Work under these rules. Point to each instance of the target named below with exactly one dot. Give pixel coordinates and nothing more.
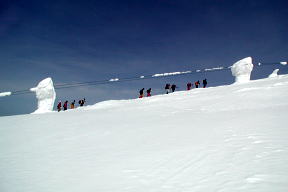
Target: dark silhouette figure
(141, 93)
(167, 88)
(197, 84)
(72, 106)
(65, 106)
(148, 92)
(204, 83)
(189, 85)
(82, 102)
(59, 106)
(173, 87)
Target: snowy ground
(229, 138)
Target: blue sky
(75, 41)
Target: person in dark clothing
(173, 87)
(167, 88)
(149, 92)
(65, 106)
(197, 84)
(141, 93)
(82, 102)
(204, 83)
(189, 85)
(59, 106)
(72, 106)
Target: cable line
(143, 77)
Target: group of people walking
(141, 92)
(171, 88)
(168, 89)
(81, 102)
(197, 84)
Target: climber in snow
(141, 93)
(148, 92)
(59, 106)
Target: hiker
(167, 88)
(141, 93)
(59, 106)
(204, 83)
(148, 92)
(189, 85)
(72, 106)
(82, 102)
(173, 87)
(197, 84)
(65, 106)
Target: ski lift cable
(143, 77)
(88, 83)
(149, 76)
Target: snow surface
(46, 95)
(242, 70)
(274, 73)
(227, 138)
(3, 94)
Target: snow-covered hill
(228, 138)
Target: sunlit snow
(116, 79)
(242, 69)
(45, 94)
(274, 73)
(3, 94)
(227, 138)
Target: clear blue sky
(74, 41)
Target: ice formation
(169, 74)
(46, 95)
(3, 94)
(242, 70)
(116, 79)
(214, 69)
(274, 73)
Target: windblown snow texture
(46, 95)
(274, 73)
(242, 70)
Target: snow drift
(274, 73)
(228, 138)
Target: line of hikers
(197, 84)
(81, 102)
(171, 88)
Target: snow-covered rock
(46, 95)
(242, 70)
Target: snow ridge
(227, 138)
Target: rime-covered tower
(242, 69)
(46, 95)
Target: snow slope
(228, 138)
